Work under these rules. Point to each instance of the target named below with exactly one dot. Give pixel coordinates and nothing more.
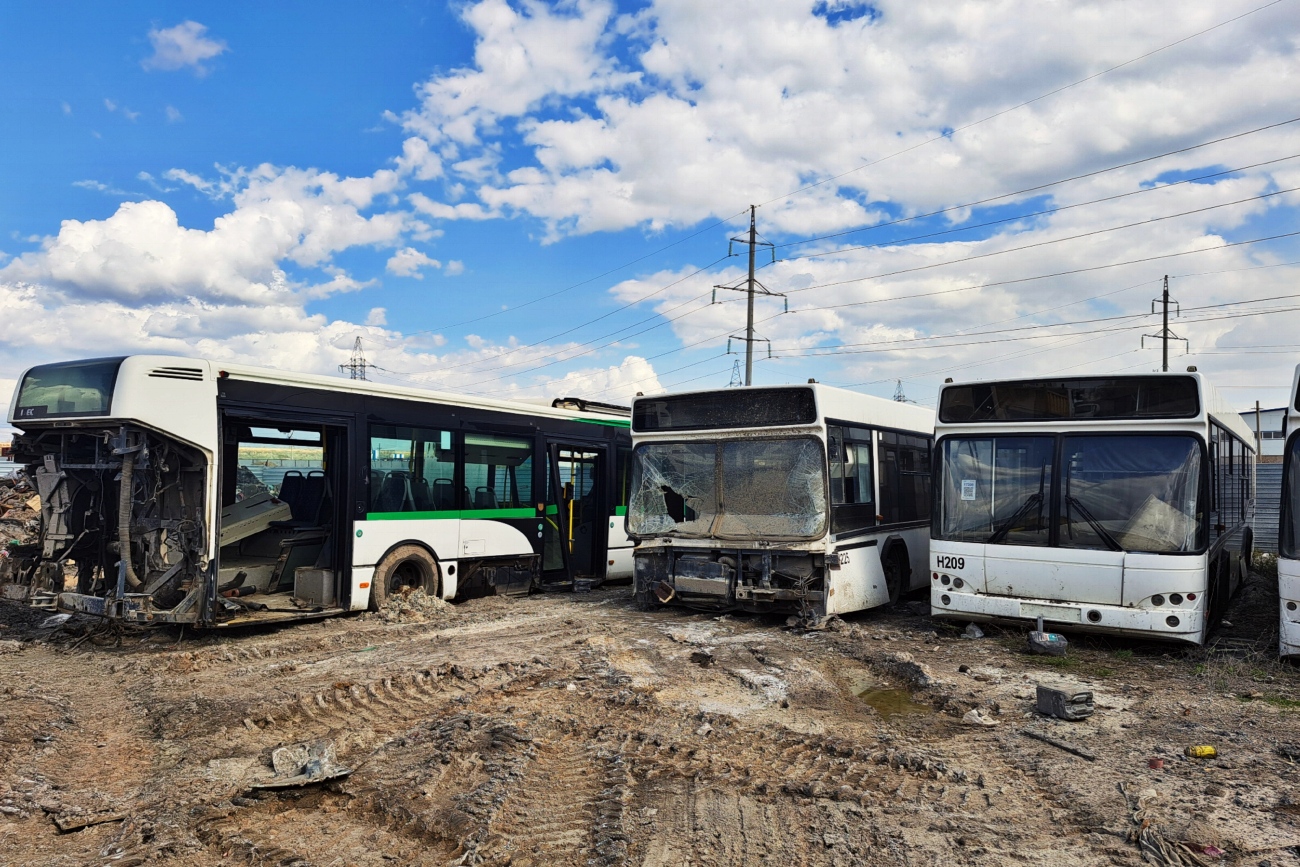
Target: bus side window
(852, 478)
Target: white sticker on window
(968, 489)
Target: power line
(1026, 216)
(1045, 186)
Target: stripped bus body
(178, 490)
(1119, 505)
(807, 500)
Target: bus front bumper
(1182, 623)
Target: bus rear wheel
(896, 570)
(405, 567)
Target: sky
(523, 199)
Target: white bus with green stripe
(179, 490)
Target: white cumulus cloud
(184, 45)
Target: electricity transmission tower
(357, 366)
(735, 375)
(1165, 334)
(751, 287)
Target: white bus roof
(832, 403)
(1212, 403)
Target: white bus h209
(804, 499)
(1119, 504)
(187, 491)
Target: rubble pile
(20, 512)
(412, 606)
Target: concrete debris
(1074, 705)
(1047, 643)
(303, 764)
(975, 718)
(412, 606)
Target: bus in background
(1118, 504)
(178, 490)
(803, 499)
(1288, 542)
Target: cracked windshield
(731, 489)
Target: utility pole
(750, 289)
(357, 366)
(1165, 334)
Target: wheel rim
(407, 574)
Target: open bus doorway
(573, 546)
(282, 501)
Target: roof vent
(1191, 368)
(195, 374)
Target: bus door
(573, 546)
(285, 514)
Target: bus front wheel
(406, 567)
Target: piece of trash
(975, 718)
(1064, 705)
(1156, 764)
(1210, 850)
(301, 765)
(704, 730)
(1047, 643)
(573, 687)
(972, 631)
(55, 620)
(1201, 752)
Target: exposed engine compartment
(722, 579)
(123, 506)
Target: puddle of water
(888, 702)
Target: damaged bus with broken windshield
(1119, 505)
(808, 500)
(178, 490)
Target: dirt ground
(574, 729)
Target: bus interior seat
(485, 498)
(376, 482)
(395, 493)
(444, 495)
(310, 503)
(420, 494)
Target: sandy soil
(574, 729)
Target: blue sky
(535, 199)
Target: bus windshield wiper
(1097, 528)
(1000, 533)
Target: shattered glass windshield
(734, 489)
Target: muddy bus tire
(404, 566)
(896, 569)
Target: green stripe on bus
(463, 514)
(610, 423)
(621, 511)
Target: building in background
(1269, 431)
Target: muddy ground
(574, 729)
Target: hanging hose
(124, 518)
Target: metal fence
(1268, 501)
